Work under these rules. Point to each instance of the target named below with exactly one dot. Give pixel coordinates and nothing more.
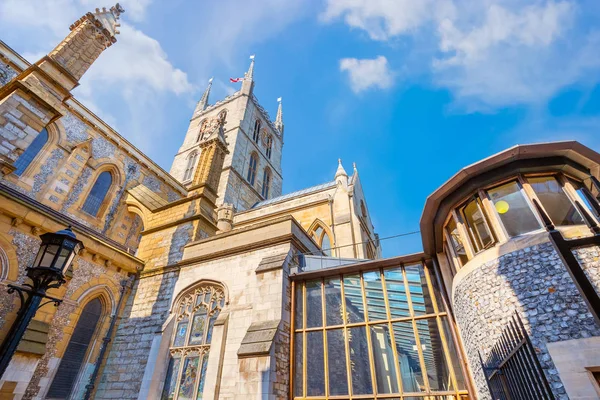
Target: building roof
(555, 154)
(288, 196)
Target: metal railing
(512, 369)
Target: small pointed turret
(340, 175)
(279, 119)
(248, 83)
(203, 103)
(250, 74)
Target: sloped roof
(299, 193)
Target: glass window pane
(314, 305)
(353, 298)
(513, 209)
(97, 194)
(433, 354)
(374, 296)
(49, 254)
(31, 152)
(211, 324)
(298, 365)
(408, 357)
(453, 353)
(198, 323)
(359, 361)
(298, 305)
(456, 241)
(326, 245)
(555, 201)
(202, 376)
(187, 384)
(477, 226)
(394, 284)
(586, 198)
(315, 366)
(333, 302)
(420, 296)
(172, 371)
(336, 358)
(180, 333)
(383, 358)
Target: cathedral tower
(251, 170)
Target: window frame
(256, 130)
(104, 203)
(464, 220)
(439, 316)
(266, 184)
(252, 168)
(192, 160)
(34, 160)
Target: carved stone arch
(104, 291)
(9, 264)
(196, 285)
(57, 133)
(135, 207)
(317, 223)
(117, 182)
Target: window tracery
(196, 314)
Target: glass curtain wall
(378, 334)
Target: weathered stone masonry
(533, 282)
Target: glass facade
(376, 334)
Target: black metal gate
(512, 369)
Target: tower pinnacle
(279, 119)
(340, 174)
(203, 103)
(250, 73)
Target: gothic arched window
(196, 315)
(319, 235)
(256, 133)
(203, 125)
(266, 183)
(70, 364)
(252, 168)
(269, 145)
(97, 194)
(29, 154)
(192, 158)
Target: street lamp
(54, 258)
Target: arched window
(192, 159)
(73, 358)
(97, 194)
(320, 236)
(196, 315)
(266, 183)
(252, 168)
(29, 154)
(363, 209)
(256, 134)
(269, 145)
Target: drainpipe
(105, 341)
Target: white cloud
(367, 73)
(489, 53)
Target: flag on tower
(236, 80)
(252, 57)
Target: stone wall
(145, 312)
(6, 73)
(533, 282)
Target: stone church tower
(252, 168)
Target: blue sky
(411, 91)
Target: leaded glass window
(252, 168)
(98, 193)
(266, 183)
(190, 345)
(376, 334)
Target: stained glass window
(195, 319)
(377, 334)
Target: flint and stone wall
(533, 282)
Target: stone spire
(90, 36)
(250, 74)
(279, 119)
(248, 83)
(340, 175)
(203, 103)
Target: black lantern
(54, 258)
(56, 254)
